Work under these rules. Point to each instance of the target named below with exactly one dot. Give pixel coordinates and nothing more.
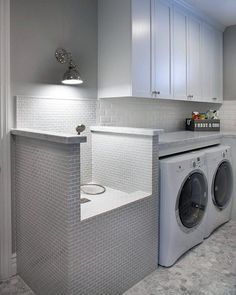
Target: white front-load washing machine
(220, 181)
(183, 204)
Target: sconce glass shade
(72, 77)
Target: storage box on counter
(203, 125)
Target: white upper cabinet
(212, 64)
(162, 49)
(179, 54)
(218, 67)
(157, 49)
(194, 59)
(124, 48)
(141, 49)
(207, 62)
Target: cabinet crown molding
(200, 14)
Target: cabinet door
(207, 69)
(212, 64)
(217, 81)
(194, 60)
(161, 49)
(179, 54)
(141, 48)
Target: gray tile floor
(15, 287)
(208, 269)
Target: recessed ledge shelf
(50, 136)
(110, 200)
(127, 130)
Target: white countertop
(108, 201)
(186, 136)
(183, 141)
(50, 136)
(127, 130)
(229, 134)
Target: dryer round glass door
(192, 200)
(223, 185)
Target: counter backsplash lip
(55, 137)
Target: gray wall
(38, 27)
(230, 63)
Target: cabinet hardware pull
(156, 92)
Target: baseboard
(13, 265)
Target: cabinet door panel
(194, 60)
(161, 49)
(212, 67)
(179, 54)
(218, 66)
(141, 48)
(207, 52)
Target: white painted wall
(37, 29)
(5, 174)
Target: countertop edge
(49, 136)
(127, 130)
(189, 140)
(171, 143)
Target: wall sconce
(72, 75)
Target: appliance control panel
(197, 162)
(194, 163)
(225, 154)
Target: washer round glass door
(192, 200)
(223, 185)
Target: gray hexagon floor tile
(15, 286)
(208, 269)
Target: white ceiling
(223, 11)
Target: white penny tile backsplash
(63, 115)
(149, 113)
(60, 115)
(228, 115)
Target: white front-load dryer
(183, 203)
(220, 180)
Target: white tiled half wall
(122, 162)
(60, 115)
(103, 255)
(47, 211)
(148, 113)
(228, 115)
